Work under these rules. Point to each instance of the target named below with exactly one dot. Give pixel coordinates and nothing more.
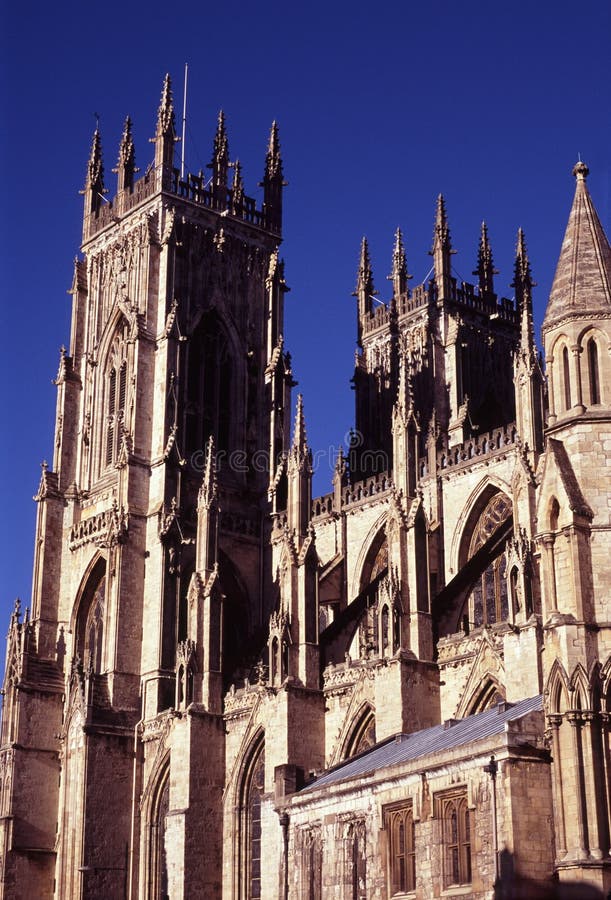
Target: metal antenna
(184, 124)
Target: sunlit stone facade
(224, 688)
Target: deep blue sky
(380, 106)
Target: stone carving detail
(106, 529)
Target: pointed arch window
(399, 824)
(210, 377)
(488, 601)
(253, 786)
(363, 735)
(311, 885)
(456, 825)
(593, 372)
(90, 621)
(158, 876)
(115, 402)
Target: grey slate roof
(408, 747)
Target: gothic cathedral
(225, 688)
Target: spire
(442, 249)
(273, 181)
(126, 164)
(582, 283)
(485, 264)
(208, 491)
(165, 133)
(237, 189)
(399, 275)
(523, 284)
(220, 155)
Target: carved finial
(300, 441)
(126, 164)
(237, 190)
(273, 160)
(340, 463)
(399, 275)
(220, 154)
(94, 182)
(208, 490)
(165, 133)
(364, 278)
(580, 171)
(441, 234)
(95, 166)
(165, 113)
(485, 264)
(442, 251)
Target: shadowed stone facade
(224, 688)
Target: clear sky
(381, 106)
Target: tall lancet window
(209, 387)
(158, 868)
(115, 398)
(593, 372)
(90, 621)
(253, 786)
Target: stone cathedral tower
(225, 688)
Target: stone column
(579, 851)
(555, 722)
(576, 367)
(605, 727)
(591, 771)
(548, 541)
(549, 364)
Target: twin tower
(205, 640)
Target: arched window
(362, 736)
(158, 875)
(457, 840)
(593, 372)
(399, 822)
(356, 860)
(488, 695)
(566, 378)
(488, 600)
(312, 864)
(90, 620)
(115, 396)
(209, 382)
(422, 564)
(554, 514)
(253, 786)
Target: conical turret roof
(582, 283)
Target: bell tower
(149, 576)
